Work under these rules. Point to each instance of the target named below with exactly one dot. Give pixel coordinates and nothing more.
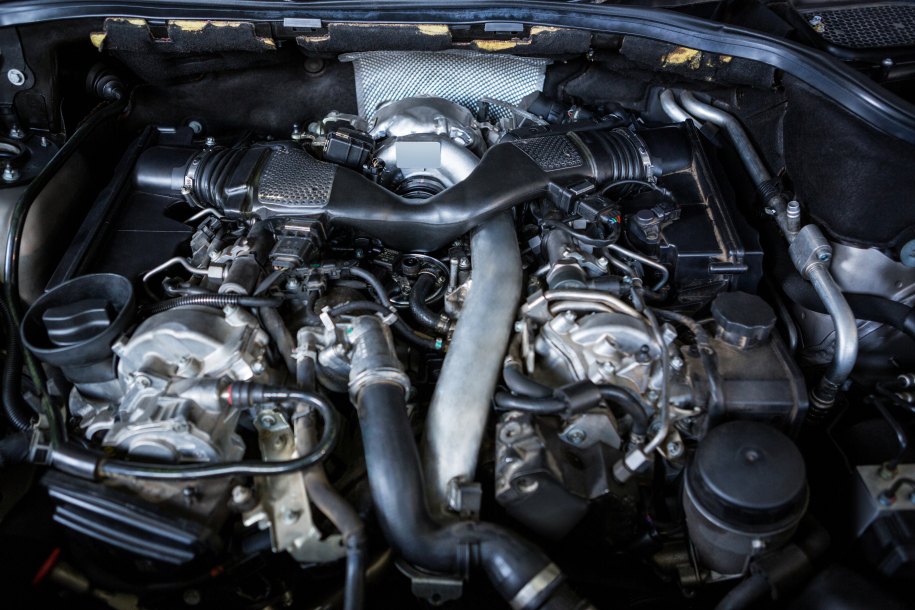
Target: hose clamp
(642, 150)
(535, 586)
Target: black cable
(242, 395)
(630, 403)
(374, 282)
(211, 300)
(586, 239)
(519, 383)
(16, 409)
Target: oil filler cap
(744, 320)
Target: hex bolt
(10, 173)
(16, 77)
(465, 263)
(45, 142)
(211, 141)
(257, 367)
(17, 132)
(292, 283)
(180, 427)
(241, 494)
(519, 327)
(191, 597)
(674, 449)
(676, 362)
(824, 257)
(268, 421)
(886, 499)
(577, 437)
(603, 263)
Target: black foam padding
(855, 181)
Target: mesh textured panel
(551, 152)
(460, 76)
(293, 178)
(866, 27)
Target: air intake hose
(282, 179)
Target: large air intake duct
(282, 179)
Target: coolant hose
(518, 570)
(747, 593)
(277, 330)
(421, 312)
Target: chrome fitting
(810, 248)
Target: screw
(676, 362)
(566, 251)
(577, 437)
(10, 173)
(44, 142)
(771, 211)
(758, 545)
(17, 132)
(519, 327)
(268, 421)
(292, 283)
(211, 141)
(143, 381)
(16, 77)
(358, 253)
(887, 63)
(824, 257)
(290, 516)
(465, 262)
(651, 395)
(192, 597)
(602, 262)
(196, 126)
(241, 494)
(257, 367)
(885, 499)
(180, 427)
(214, 254)
(674, 449)
(569, 315)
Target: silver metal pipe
(462, 400)
(665, 274)
(846, 350)
(809, 263)
(673, 110)
(733, 128)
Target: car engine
(474, 338)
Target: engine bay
(467, 327)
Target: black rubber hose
(404, 331)
(14, 245)
(630, 404)
(396, 484)
(747, 593)
(14, 449)
(586, 239)
(276, 328)
(539, 406)
(17, 411)
(243, 395)
(374, 282)
(865, 306)
(521, 384)
(421, 312)
(211, 300)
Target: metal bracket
(433, 588)
(283, 503)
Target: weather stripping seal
(847, 88)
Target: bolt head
(885, 500)
(16, 77)
(211, 141)
(465, 262)
(196, 126)
(577, 436)
(771, 211)
(241, 494)
(191, 597)
(290, 516)
(258, 367)
(519, 327)
(180, 427)
(268, 421)
(758, 545)
(603, 263)
(824, 257)
(674, 448)
(10, 174)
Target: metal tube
(462, 400)
(665, 274)
(672, 109)
(732, 127)
(846, 351)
